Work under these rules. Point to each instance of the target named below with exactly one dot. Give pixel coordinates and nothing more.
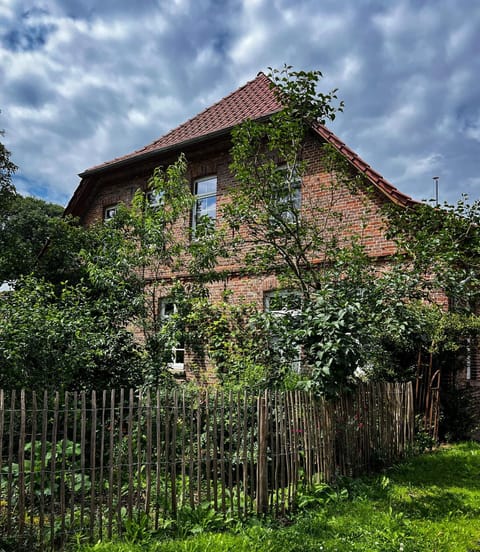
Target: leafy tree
(280, 231)
(36, 239)
(144, 245)
(347, 322)
(67, 340)
(440, 248)
(352, 317)
(7, 168)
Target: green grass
(430, 503)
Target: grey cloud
(31, 91)
(114, 75)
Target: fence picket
(101, 474)
(93, 451)
(93, 460)
(21, 466)
(33, 443)
(111, 467)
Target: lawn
(430, 503)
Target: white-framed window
(282, 303)
(468, 359)
(167, 309)
(290, 196)
(205, 192)
(154, 199)
(110, 211)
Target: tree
(36, 239)
(7, 168)
(268, 163)
(347, 321)
(352, 319)
(66, 340)
(441, 246)
(149, 247)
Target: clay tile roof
(375, 178)
(253, 100)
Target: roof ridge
(253, 100)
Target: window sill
(178, 371)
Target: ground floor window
(168, 309)
(283, 303)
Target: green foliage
(352, 317)
(355, 319)
(7, 168)
(69, 341)
(268, 164)
(441, 247)
(145, 243)
(247, 347)
(44, 457)
(36, 239)
(319, 495)
(423, 440)
(458, 415)
(202, 519)
(431, 502)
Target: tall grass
(429, 503)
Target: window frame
(154, 199)
(296, 364)
(111, 207)
(199, 197)
(295, 195)
(174, 366)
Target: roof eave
(166, 149)
(385, 187)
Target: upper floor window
(289, 195)
(109, 212)
(154, 199)
(205, 192)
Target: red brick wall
(318, 198)
(120, 185)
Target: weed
(430, 502)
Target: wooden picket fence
(78, 463)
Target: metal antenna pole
(435, 179)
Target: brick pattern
(120, 186)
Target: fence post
(262, 474)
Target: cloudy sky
(84, 81)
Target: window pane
(206, 186)
(206, 206)
(155, 199)
(110, 212)
(179, 356)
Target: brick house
(205, 141)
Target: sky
(85, 81)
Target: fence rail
(78, 463)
